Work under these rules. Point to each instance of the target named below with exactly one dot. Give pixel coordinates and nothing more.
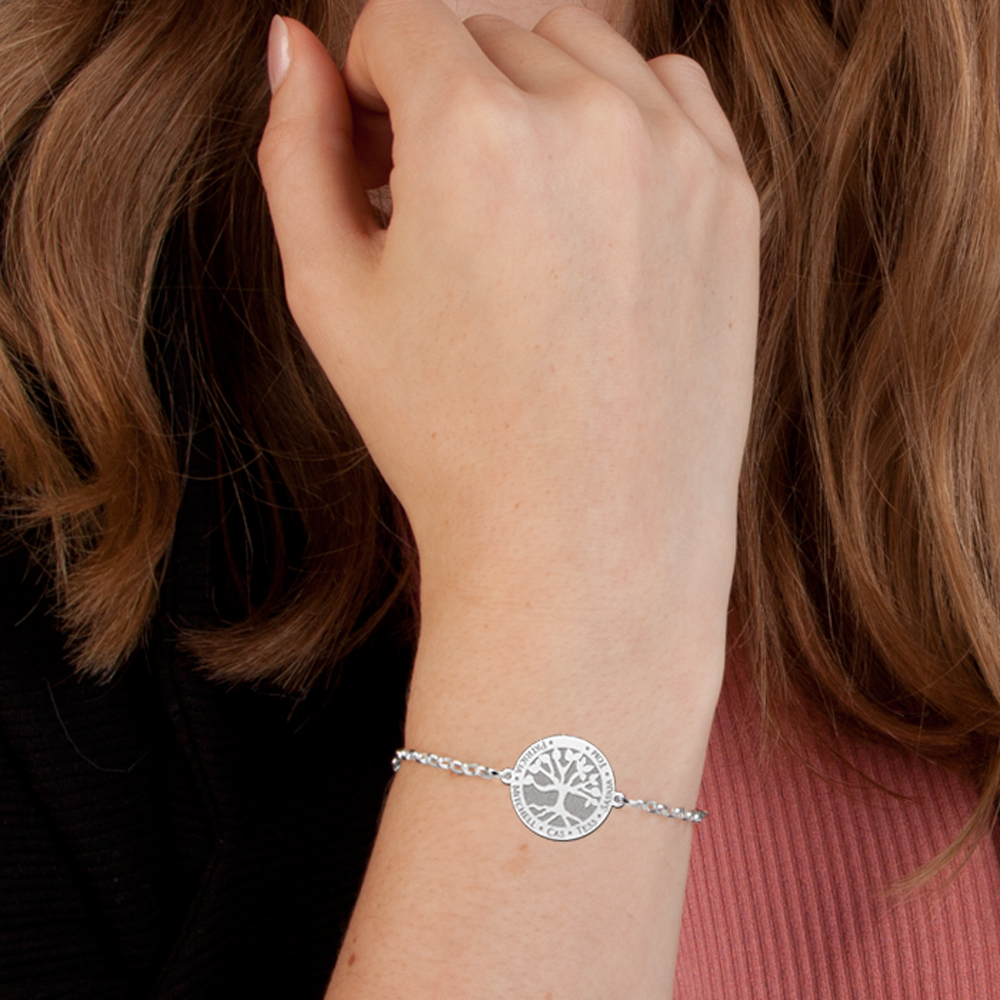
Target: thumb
(326, 230)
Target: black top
(164, 836)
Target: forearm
(462, 900)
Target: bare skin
(372, 132)
(527, 13)
(549, 354)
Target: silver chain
(450, 764)
(659, 809)
(491, 774)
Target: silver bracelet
(561, 787)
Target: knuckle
(610, 131)
(486, 21)
(482, 114)
(683, 70)
(565, 16)
(374, 10)
(269, 149)
(476, 130)
(482, 98)
(278, 145)
(607, 110)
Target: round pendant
(562, 787)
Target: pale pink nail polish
(279, 53)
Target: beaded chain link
(450, 764)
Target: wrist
(590, 562)
(487, 690)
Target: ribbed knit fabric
(785, 896)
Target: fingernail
(279, 53)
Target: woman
(548, 355)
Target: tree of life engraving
(563, 788)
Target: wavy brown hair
(869, 549)
(137, 239)
(868, 574)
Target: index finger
(403, 53)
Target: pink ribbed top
(784, 899)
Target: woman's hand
(549, 351)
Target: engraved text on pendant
(562, 787)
